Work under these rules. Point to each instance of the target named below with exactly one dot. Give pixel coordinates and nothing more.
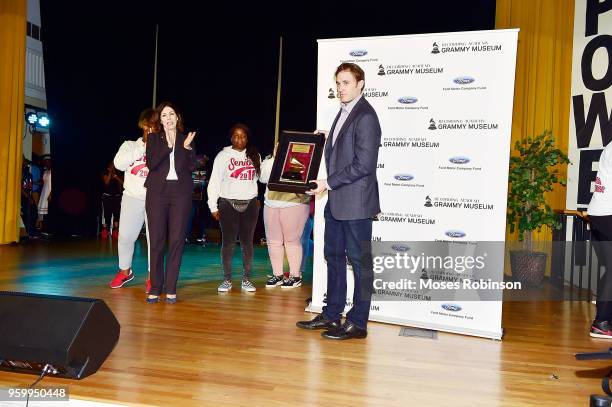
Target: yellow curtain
(543, 75)
(12, 91)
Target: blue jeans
(307, 245)
(344, 238)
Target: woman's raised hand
(189, 139)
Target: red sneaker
(601, 329)
(120, 279)
(115, 233)
(104, 233)
(148, 286)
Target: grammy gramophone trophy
(297, 161)
(296, 171)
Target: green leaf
(531, 174)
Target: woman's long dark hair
(251, 151)
(179, 117)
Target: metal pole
(278, 90)
(572, 257)
(155, 68)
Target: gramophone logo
(295, 171)
(432, 125)
(381, 70)
(435, 49)
(428, 203)
(331, 94)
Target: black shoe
(319, 322)
(292, 282)
(274, 281)
(346, 331)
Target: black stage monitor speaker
(72, 335)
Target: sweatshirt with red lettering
(233, 177)
(131, 159)
(601, 201)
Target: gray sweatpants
(133, 216)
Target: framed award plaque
(297, 161)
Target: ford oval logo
(463, 80)
(452, 307)
(407, 100)
(403, 177)
(358, 52)
(400, 248)
(459, 160)
(455, 233)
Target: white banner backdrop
(590, 128)
(445, 106)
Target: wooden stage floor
(244, 349)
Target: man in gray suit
(351, 154)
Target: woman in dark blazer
(170, 159)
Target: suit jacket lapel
(328, 142)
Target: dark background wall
(218, 63)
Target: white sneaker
(248, 286)
(225, 286)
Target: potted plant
(532, 173)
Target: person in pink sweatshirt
(285, 214)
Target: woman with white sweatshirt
(232, 199)
(600, 218)
(285, 214)
(131, 158)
